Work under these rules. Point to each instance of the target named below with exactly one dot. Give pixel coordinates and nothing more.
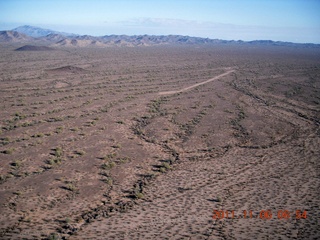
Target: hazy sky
(284, 20)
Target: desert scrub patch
(108, 180)
(79, 152)
(57, 152)
(71, 187)
(241, 113)
(18, 193)
(55, 119)
(67, 220)
(16, 164)
(154, 106)
(116, 146)
(166, 166)
(2, 178)
(90, 123)
(5, 141)
(123, 160)
(54, 236)
(18, 116)
(38, 135)
(110, 156)
(54, 161)
(108, 165)
(139, 195)
(59, 129)
(75, 129)
(8, 151)
(137, 192)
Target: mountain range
(30, 34)
(39, 32)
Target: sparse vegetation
(108, 165)
(38, 135)
(71, 187)
(80, 152)
(54, 161)
(16, 164)
(138, 191)
(166, 166)
(9, 151)
(58, 152)
(82, 146)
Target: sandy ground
(91, 150)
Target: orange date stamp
(263, 214)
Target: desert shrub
(166, 166)
(58, 152)
(67, 221)
(59, 129)
(54, 236)
(2, 178)
(137, 192)
(80, 152)
(16, 164)
(108, 165)
(116, 146)
(18, 116)
(123, 160)
(9, 151)
(54, 161)
(139, 195)
(71, 187)
(108, 180)
(110, 156)
(38, 135)
(5, 141)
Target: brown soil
(146, 142)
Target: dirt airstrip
(157, 142)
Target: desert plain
(156, 142)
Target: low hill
(13, 36)
(34, 48)
(67, 70)
(67, 42)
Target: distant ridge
(39, 32)
(60, 39)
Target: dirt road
(196, 85)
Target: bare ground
(93, 151)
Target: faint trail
(196, 85)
